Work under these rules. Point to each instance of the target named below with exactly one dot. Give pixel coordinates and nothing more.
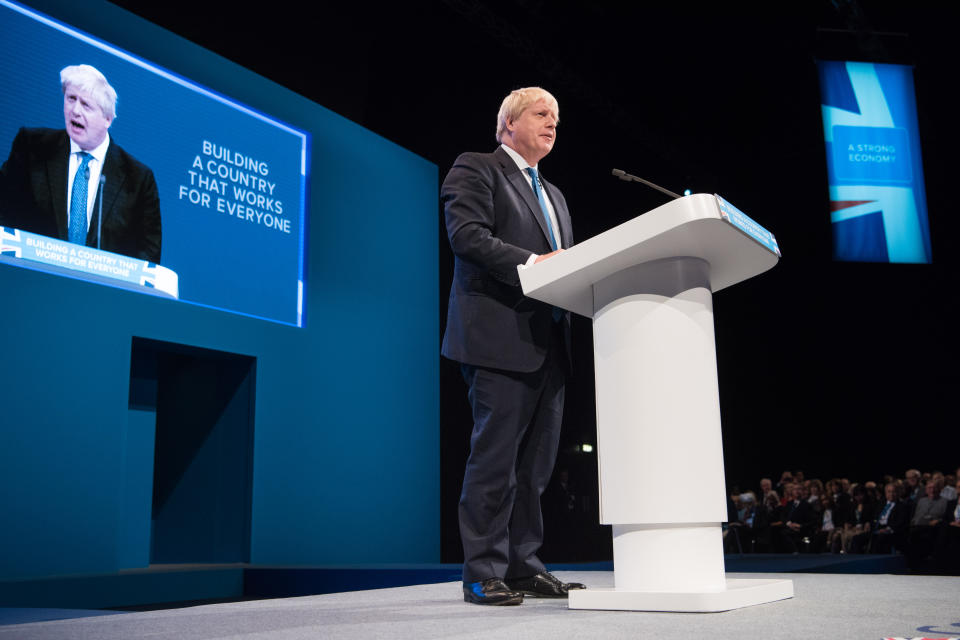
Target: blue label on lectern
(746, 224)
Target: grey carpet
(824, 606)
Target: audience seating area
(916, 515)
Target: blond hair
(88, 79)
(518, 100)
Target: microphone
(103, 181)
(629, 178)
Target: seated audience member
(842, 502)
(949, 491)
(901, 490)
(912, 490)
(858, 519)
(827, 537)
(797, 519)
(842, 512)
(890, 525)
(930, 508)
(767, 523)
(815, 496)
(740, 534)
(766, 486)
(733, 506)
(928, 513)
(831, 488)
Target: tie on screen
(543, 204)
(78, 201)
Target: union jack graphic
(10, 242)
(148, 275)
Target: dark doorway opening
(203, 449)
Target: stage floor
(824, 606)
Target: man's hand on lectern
(547, 255)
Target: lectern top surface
(700, 225)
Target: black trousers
(513, 448)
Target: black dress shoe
(490, 591)
(543, 585)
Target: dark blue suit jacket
(494, 223)
(33, 195)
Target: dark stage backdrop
(832, 368)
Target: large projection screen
(231, 180)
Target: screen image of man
(513, 351)
(55, 182)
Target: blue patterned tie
(78, 201)
(556, 312)
(543, 205)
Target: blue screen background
(163, 120)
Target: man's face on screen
(85, 122)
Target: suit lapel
(513, 174)
(114, 175)
(58, 165)
(113, 170)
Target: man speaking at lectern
(40, 192)
(513, 351)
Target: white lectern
(647, 284)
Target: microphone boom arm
(629, 178)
